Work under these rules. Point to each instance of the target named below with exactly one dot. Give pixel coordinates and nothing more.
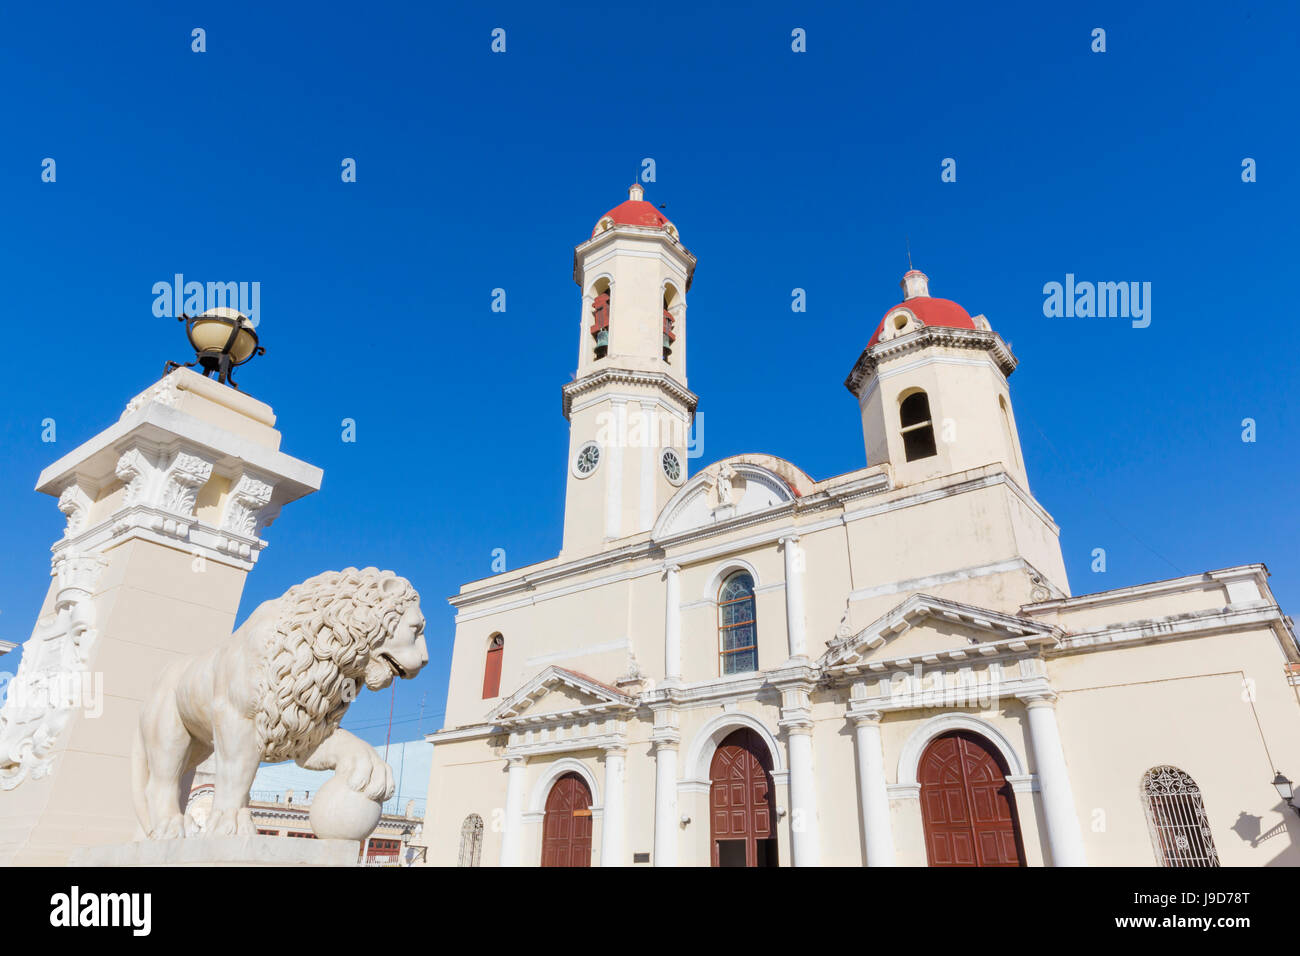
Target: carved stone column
(877, 830)
(613, 825)
(513, 824)
(795, 619)
(614, 471)
(666, 739)
(672, 624)
(796, 720)
(1063, 835)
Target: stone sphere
(340, 813)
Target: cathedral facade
(747, 666)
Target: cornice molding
(1188, 582)
(622, 376)
(585, 251)
(1179, 626)
(925, 337)
(1021, 674)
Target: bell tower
(932, 388)
(629, 408)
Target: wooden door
(566, 828)
(742, 803)
(967, 805)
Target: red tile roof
(929, 311)
(634, 212)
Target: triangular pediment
(557, 692)
(925, 628)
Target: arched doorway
(967, 806)
(742, 802)
(566, 828)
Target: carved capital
(134, 469)
(796, 723)
(182, 480)
(860, 717)
(1039, 698)
(75, 501)
(76, 574)
(247, 506)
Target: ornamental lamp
(222, 338)
(1284, 787)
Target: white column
(794, 613)
(803, 797)
(877, 829)
(665, 803)
(1063, 835)
(672, 623)
(649, 432)
(613, 450)
(611, 836)
(513, 825)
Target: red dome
(634, 212)
(930, 312)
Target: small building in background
(280, 801)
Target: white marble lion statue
(277, 691)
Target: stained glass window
(737, 627)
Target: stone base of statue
(222, 851)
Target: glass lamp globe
(211, 331)
(1283, 785)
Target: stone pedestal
(165, 511)
(222, 851)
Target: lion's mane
(317, 657)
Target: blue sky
(478, 171)
(411, 762)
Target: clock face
(672, 466)
(588, 458)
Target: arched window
(670, 299)
(492, 667)
(1011, 432)
(1180, 830)
(917, 429)
(471, 840)
(600, 308)
(737, 628)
